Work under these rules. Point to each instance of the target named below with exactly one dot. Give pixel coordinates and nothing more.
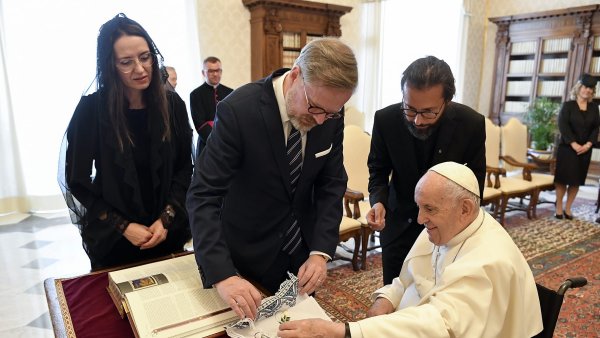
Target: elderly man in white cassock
(464, 276)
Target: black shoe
(598, 220)
(569, 217)
(557, 216)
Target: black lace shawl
(96, 177)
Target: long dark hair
(111, 87)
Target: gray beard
(301, 127)
(421, 134)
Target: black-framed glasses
(127, 65)
(214, 71)
(425, 113)
(314, 110)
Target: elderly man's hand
(241, 295)
(311, 328)
(376, 217)
(381, 306)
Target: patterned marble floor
(33, 248)
(36, 247)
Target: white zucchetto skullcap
(459, 174)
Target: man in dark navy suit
(267, 195)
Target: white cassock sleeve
(392, 292)
(461, 307)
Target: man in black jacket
(204, 99)
(408, 138)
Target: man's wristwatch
(347, 330)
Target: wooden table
(58, 320)
(81, 306)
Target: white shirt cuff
(321, 254)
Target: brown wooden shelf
(578, 25)
(520, 75)
(271, 19)
(561, 75)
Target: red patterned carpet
(555, 249)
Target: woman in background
(128, 160)
(578, 123)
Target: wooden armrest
(496, 172)
(527, 167)
(352, 196)
(536, 159)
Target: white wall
(50, 59)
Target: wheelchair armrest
(575, 282)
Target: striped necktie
(293, 238)
(294, 154)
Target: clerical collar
(467, 232)
(461, 239)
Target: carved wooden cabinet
(542, 55)
(280, 28)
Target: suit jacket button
(439, 151)
(410, 220)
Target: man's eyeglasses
(318, 110)
(214, 71)
(425, 113)
(127, 65)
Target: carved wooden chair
(511, 187)
(514, 152)
(350, 228)
(357, 144)
(491, 194)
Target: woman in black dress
(127, 154)
(578, 123)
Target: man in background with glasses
(204, 99)
(267, 191)
(409, 137)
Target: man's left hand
(312, 274)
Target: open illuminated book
(167, 299)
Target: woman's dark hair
(110, 85)
(427, 72)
